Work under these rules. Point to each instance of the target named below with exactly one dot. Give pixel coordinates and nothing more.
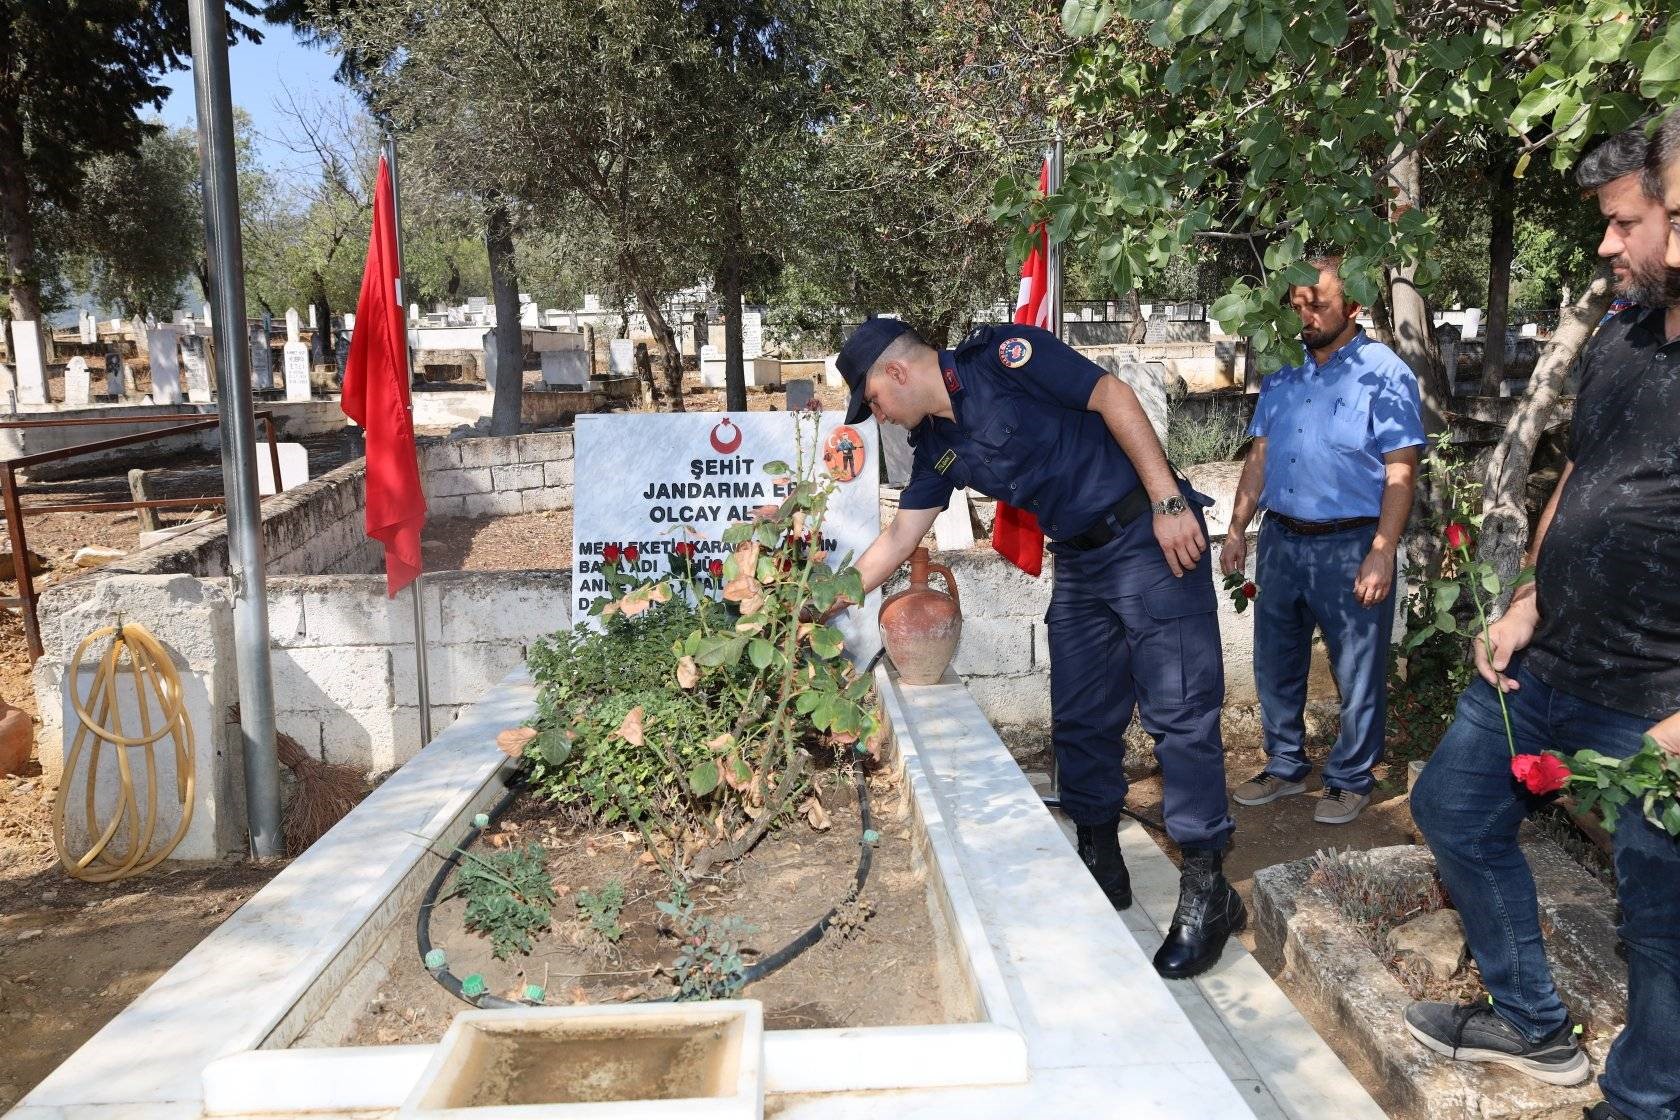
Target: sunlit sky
(260, 75)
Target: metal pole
(1054, 264)
(226, 259)
(423, 688)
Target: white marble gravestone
(623, 357)
(8, 387)
(262, 358)
(313, 325)
(294, 329)
(294, 467)
(76, 385)
(653, 479)
(31, 371)
(205, 316)
(295, 368)
(89, 328)
(752, 335)
(162, 348)
(195, 362)
(565, 369)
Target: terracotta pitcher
(920, 626)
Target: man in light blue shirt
(1333, 464)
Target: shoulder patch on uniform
(945, 461)
(1014, 352)
(953, 384)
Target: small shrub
(509, 896)
(1372, 897)
(1215, 435)
(601, 909)
(709, 964)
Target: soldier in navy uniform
(1015, 413)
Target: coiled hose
(135, 652)
(759, 969)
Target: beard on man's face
(1323, 337)
(1651, 286)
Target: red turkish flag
(376, 397)
(1015, 532)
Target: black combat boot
(1209, 911)
(1099, 847)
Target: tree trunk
(509, 385)
(1139, 330)
(734, 360)
(17, 229)
(665, 342)
(1502, 246)
(1504, 536)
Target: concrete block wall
(342, 656)
(498, 475)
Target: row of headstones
(170, 353)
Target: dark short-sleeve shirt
(1608, 577)
(1328, 427)
(1022, 432)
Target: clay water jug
(921, 626)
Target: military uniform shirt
(1022, 432)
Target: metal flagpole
(226, 258)
(423, 684)
(1053, 296)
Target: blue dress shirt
(1328, 427)
(1022, 433)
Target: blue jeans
(1468, 807)
(1307, 582)
(1125, 635)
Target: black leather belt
(1319, 528)
(1119, 515)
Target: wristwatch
(1169, 506)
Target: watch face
(1174, 504)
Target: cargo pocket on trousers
(1189, 663)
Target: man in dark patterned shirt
(1588, 655)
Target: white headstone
(205, 318)
(752, 335)
(659, 478)
(115, 374)
(623, 356)
(8, 387)
(1531, 330)
(161, 344)
(295, 362)
(831, 372)
(565, 369)
(591, 302)
(1473, 323)
(294, 467)
(197, 367)
(293, 327)
(312, 323)
(349, 320)
(31, 371)
(262, 358)
(76, 381)
(529, 316)
(89, 328)
(414, 313)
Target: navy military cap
(860, 352)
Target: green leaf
(553, 747)
(722, 650)
(1382, 13)
(1662, 65)
(1671, 818)
(827, 642)
(1446, 623)
(761, 652)
(1446, 595)
(1263, 36)
(1419, 638)
(1300, 273)
(776, 466)
(1332, 25)
(704, 778)
(1083, 18)
(1490, 582)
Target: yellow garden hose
(134, 652)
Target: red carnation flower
(632, 553)
(716, 567)
(1249, 590)
(611, 553)
(1540, 773)
(1458, 535)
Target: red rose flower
(1458, 535)
(632, 553)
(683, 548)
(1249, 590)
(716, 567)
(1540, 773)
(611, 553)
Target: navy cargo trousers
(1125, 634)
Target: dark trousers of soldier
(1126, 634)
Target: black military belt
(1319, 528)
(1119, 515)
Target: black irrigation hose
(759, 969)
(1150, 823)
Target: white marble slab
(162, 349)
